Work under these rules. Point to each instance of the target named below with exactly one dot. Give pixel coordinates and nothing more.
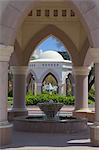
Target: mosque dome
(53, 55)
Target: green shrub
(91, 94)
(10, 98)
(90, 101)
(33, 100)
(10, 101)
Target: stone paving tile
(51, 148)
(36, 141)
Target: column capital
(94, 52)
(81, 70)
(5, 52)
(19, 70)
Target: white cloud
(37, 52)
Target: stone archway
(55, 74)
(58, 33)
(88, 13)
(52, 72)
(20, 57)
(86, 10)
(83, 9)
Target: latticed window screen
(55, 13)
(47, 12)
(64, 13)
(38, 12)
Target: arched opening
(52, 43)
(50, 55)
(50, 84)
(70, 85)
(31, 84)
(58, 35)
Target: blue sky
(51, 44)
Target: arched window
(50, 83)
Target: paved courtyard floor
(36, 141)
(31, 141)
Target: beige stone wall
(71, 26)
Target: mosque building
(50, 63)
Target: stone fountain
(50, 109)
(50, 122)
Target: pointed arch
(30, 71)
(51, 71)
(52, 76)
(58, 33)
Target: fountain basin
(37, 124)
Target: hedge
(33, 100)
(66, 100)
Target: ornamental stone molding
(19, 70)
(5, 52)
(94, 52)
(81, 70)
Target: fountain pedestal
(50, 109)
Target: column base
(5, 133)
(83, 110)
(16, 113)
(85, 113)
(94, 134)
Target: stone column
(38, 88)
(81, 88)
(94, 129)
(73, 89)
(5, 126)
(19, 91)
(67, 86)
(60, 88)
(63, 89)
(34, 88)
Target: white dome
(53, 55)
